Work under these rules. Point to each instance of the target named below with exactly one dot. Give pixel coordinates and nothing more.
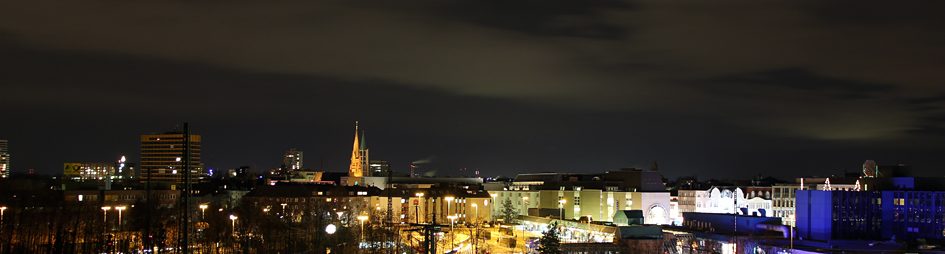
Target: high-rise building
(4, 159)
(292, 160)
(162, 156)
(379, 167)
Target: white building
(592, 196)
(731, 200)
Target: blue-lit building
(728, 224)
(897, 208)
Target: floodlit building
(359, 159)
(4, 159)
(897, 208)
(88, 171)
(687, 200)
(783, 195)
(595, 197)
(407, 205)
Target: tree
(549, 242)
(508, 211)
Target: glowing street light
(525, 198)
(561, 207)
(2, 210)
(493, 195)
(475, 206)
(120, 209)
(449, 200)
(452, 219)
(233, 223)
(105, 216)
(330, 229)
(203, 209)
(417, 206)
(362, 218)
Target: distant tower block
(292, 160)
(4, 159)
(870, 169)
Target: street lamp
(452, 219)
(526, 204)
(203, 209)
(476, 241)
(475, 206)
(233, 223)
(120, 209)
(283, 208)
(561, 206)
(449, 200)
(2, 209)
(362, 218)
(330, 229)
(105, 216)
(493, 195)
(417, 206)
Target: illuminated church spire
(356, 169)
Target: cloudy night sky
(709, 88)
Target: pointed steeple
(357, 164)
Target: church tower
(356, 169)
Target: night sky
(708, 88)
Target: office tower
(379, 167)
(162, 156)
(292, 160)
(4, 159)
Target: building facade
(88, 171)
(162, 158)
(292, 160)
(379, 168)
(728, 200)
(902, 215)
(595, 197)
(4, 159)
(783, 195)
(687, 200)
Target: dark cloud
(800, 79)
(542, 18)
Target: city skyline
(342, 165)
(715, 90)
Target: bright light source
(330, 229)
